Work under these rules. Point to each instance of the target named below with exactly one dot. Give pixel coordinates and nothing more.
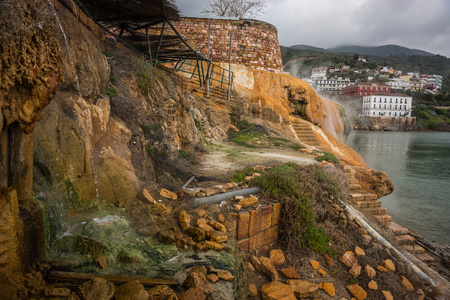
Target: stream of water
(418, 164)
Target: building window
(391, 100)
(396, 107)
(401, 100)
(384, 100)
(395, 113)
(396, 100)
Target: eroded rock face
(374, 181)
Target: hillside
(301, 62)
(385, 50)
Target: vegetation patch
(432, 118)
(111, 92)
(299, 188)
(327, 156)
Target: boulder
(218, 226)
(322, 272)
(348, 259)
(194, 293)
(303, 288)
(197, 279)
(355, 270)
(277, 256)
(197, 233)
(225, 275)
(290, 273)
(359, 252)
(247, 202)
(185, 220)
(161, 209)
(145, 197)
(370, 271)
(132, 290)
(277, 291)
(217, 236)
(252, 290)
(329, 260)
(387, 295)
(356, 291)
(265, 265)
(212, 277)
(408, 286)
(329, 288)
(388, 264)
(168, 194)
(161, 292)
(315, 264)
(97, 288)
(382, 269)
(373, 285)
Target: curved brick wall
(254, 43)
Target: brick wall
(254, 43)
(255, 230)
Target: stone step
(367, 204)
(405, 239)
(414, 249)
(397, 229)
(354, 186)
(383, 218)
(353, 180)
(362, 196)
(425, 258)
(374, 210)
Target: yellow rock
(387, 295)
(253, 290)
(277, 256)
(373, 285)
(329, 288)
(315, 264)
(358, 292)
(388, 264)
(168, 194)
(359, 251)
(370, 271)
(408, 286)
(322, 272)
(247, 202)
(225, 275)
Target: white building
(332, 84)
(398, 84)
(388, 105)
(319, 73)
(434, 83)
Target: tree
(235, 8)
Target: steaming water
(67, 46)
(418, 163)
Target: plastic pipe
(384, 242)
(224, 196)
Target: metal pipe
(224, 196)
(384, 242)
(229, 67)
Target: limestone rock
(198, 269)
(221, 218)
(387, 295)
(277, 256)
(388, 264)
(181, 193)
(322, 272)
(212, 277)
(303, 288)
(247, 202)
(348, 259)
(253, 291)
(356, 291)
(228, 186)
(161, 292)
(185, 220)
(382, 269)
(373, 285)
(132, 290)
(196, 279)
(370, 271)
(355, 270)
(146, 197)
(168, 194)
(359, 252)
(56, 292)
(217, 236)
(197, 233)
(408, 286)
(290, 273)
(201, 213)
(329, 260)
(202, 224)
(161, 209)
(265, 265)
(225, 275)
(277, 291)
(329, 288)
(218, 226)
(194, 293)
(97, 288)
(250, 267)
(315, 264)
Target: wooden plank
(56, 276)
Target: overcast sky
(419, 24)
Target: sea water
(418, 163)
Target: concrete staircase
(306, 134)
(369, 204)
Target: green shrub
(327, 156)
(150, 150)
(145, 127)
(182, 153)
(241, 174)
(112, 79)
(109, 54)
(111, 92)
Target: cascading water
(334, 122)
(67, 46)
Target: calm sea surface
(418, 164)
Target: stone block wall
(256, 229)
(254, 43)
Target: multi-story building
(319, 73)
(388, 105)
(365, 88)
(332, 84)
(415, 84)
(434, 83)
(398, 84)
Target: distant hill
(307, 47)
(385, 50)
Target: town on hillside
(383, 91)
